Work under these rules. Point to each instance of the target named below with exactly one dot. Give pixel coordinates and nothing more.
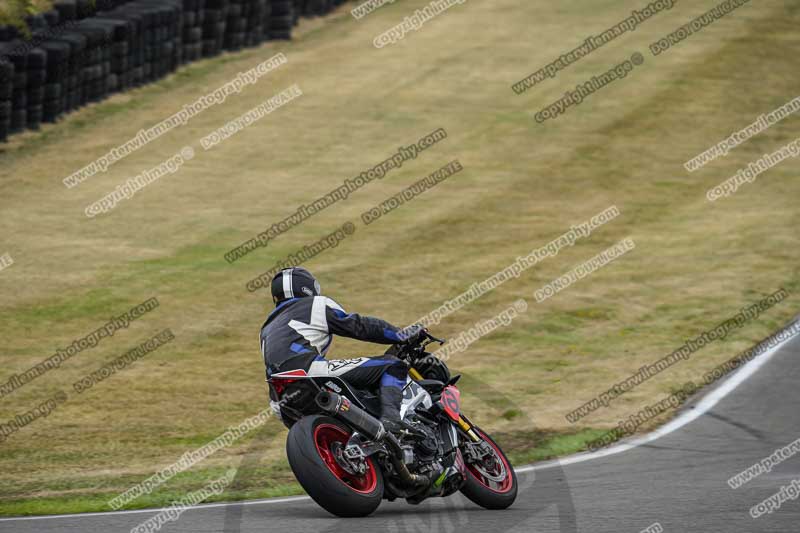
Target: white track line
(705, 405)
(156, 511)
(688, 416)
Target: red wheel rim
(327, 434)
(508, 481)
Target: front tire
(483, 485)
(310, 447)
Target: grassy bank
(695, 264)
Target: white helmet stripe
(287, 283)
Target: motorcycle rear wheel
(311, 447)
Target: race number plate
(451, 402)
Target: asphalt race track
(677, 481)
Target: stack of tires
(84, 9)
(84, 50)
(37, 73)
(67, 10)
(313, 8)
(6, 92)
(281, 19)
(131, 58)
(235, 25)
(47, 64)
(6, 83)
(115, 51)
(162, 37)
(193, 15)
(216, 13)
(65, 52)
(302, 7)
(146, 41)
(266, 15)
(172, 33)
(18, 55)
(255, 14)
(97, 60)
(61, 82)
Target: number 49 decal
(451, 401)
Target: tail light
(279, 382)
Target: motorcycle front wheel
(492, 483)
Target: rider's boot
(391, 399)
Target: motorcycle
(348, 463)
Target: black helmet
(294, 282)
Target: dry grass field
(695, 264)
(13, 11)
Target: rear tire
(308, 448)
(486, 493)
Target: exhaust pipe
(342, 408)
(413, 480)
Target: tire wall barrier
(82, 52)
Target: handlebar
(417, 350)
(434, 339)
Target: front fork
(463, 421)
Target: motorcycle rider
(299, 331)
